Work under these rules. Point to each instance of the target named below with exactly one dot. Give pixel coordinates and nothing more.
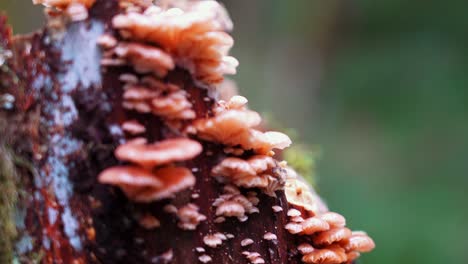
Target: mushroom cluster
(193, 33)
(234, 204)
(329, 241)
(152, 175)
(153, 40)
(259, 171)
(234, 125)
(167, 101)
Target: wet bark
(61, 130)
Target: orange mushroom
(163, 152)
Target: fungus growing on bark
(142, 185)
(331, 255)
(149, 222)
(193, 35)
(133, 127)
(189, 217)
(359, 241)
(159, 153)
(145, 58)
(257, 172)
(214, 240)
(331, 236)
(204, 259)
(253, 257)
(270, 236)
(149, 41)
(246, 242)
(152, 96)
(233, 125)
(234, 204)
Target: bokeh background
(379, 91)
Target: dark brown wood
(64, 125)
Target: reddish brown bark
(64, 123)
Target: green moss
(302, 159)
(8, 199)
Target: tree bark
(62, 129)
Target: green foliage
(302, 159)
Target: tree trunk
(62, 128)
(61, 117)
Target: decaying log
(60, 121)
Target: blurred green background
(380, 89)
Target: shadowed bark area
(65, 124)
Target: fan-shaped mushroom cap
(360, 242)
(142, 185)
(331, 255)
(133, 127)
(189, 217)
(331, 236)
(145, 58)
(313, 225)
(175, 179)
(234, 127)
(234, 168)
(163, 152)
(257, 172)
(130, 176)
(229, 127)
(298, 194)
(333, 219)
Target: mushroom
(257, 172)
(142, 185)
(145, 58)
(133, 127)
(331, 255)
(214, 240)
(332, 236)
(189, 217)
(193, 35)
(159, 153)
(234, 127)
(359, 241)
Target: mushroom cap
(228, 127)
(130, 176)
(145, 58)
(163, 152)
(233, 168)
(175, 179)
(331, 255)
(298, 193)
(333, 219)
(332, 236)
(313, 225)
(359, 242)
